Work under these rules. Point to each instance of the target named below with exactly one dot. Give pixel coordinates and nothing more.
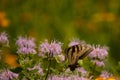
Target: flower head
(8, 75)
(75, 42)
(99, 52)
(44, 47)
(25, 50)
(76, 77)
(4, 38)
(26, 45)
(55, 47)
(40, 70)
(98, 63)
(61, 57)
(82, 71)
(50, 48)
(56, 77)
(25, 42)
(105, 74)
(70, 77)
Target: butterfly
(75, 53)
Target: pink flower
(44, 47)
(8, 75)
(50, 48)
(98, 63)
(25, 50)
(105, 74)
(40, 70)
(99, 52)
(26, 45)
(26, 42)
(55, 47)
(82, 71)
(61, 57)
(56, 77)
(63, 77)
(4, 39)
(75, 42)
(76, 77)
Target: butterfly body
(76, 52)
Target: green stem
(93, 70)
(48, 68)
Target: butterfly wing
(84, 51)
(71, 55)
(76, 52)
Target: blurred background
(95, 21)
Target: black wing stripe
(67, 51)
(69, 56)
(73, 50)
(86, 53)
(77, 47)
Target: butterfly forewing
(85, 53)
(84, 50)
(71, 54)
